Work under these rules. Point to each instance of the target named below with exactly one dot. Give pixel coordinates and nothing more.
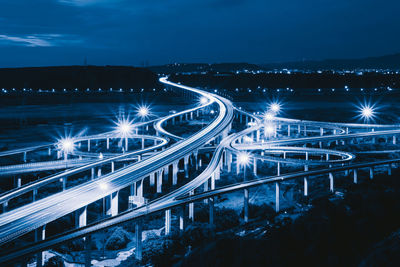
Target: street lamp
(269, 116)
(275, 107)
(124, 129)
(66, 145)
(143, 111)
(243, 160)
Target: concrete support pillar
(305, 186)
(191, 207)
(25, 156)
(34, 195)
(389, 169)
(40, 234)
(113, 211)
(5, 207)
(108, 143)
(49, 151)
(152, 179)
(371, 173)
(182, 217)
(257, 135)
(99, 172)
(142, 143)
(92, 173)
(166, 173)
(88, 256)
(167, 221)
(88, 145)
(246, 205)
(321, 131)
(255, 166)
(394, 139)
(186, 163)
(211, 210)
(331, 182)
(174, 173)
(139, 188)
(306, 155)
(112, 166)
(205, 189)
(347, 130)
(138, 235)
(288, 130)
(229, 164)
(355, 176)
(81, 217)
(19, 182)
(305, 130)
(299, 129)
(278, 168)
(64, 182)
(159, 181)
(277, 193)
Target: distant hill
(203, 67)
(382, 62)
(78, 77)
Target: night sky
(129, 32)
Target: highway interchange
(305, 144)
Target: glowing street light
(124, 129)
(269, 116)
(367, 112)
(275, 107)
(66, 145)
(203, 100)
(269, 130)
(243, 158)
(143, 111)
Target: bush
(225, 219)
(118, 239)
(198, 233)
(55, 261)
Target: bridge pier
(355, 176)
(205, 189)
(138, 235)
(246, 205)
(108, 143)
(142, 143)
(174, 173)
(389, 169)
(34, 195)
(306, 186)
(182, 217)
(64, 182)
(331, 182)
(186, 163)
(114, 204)
(371, 173)
(159, 181)
(394, 139)
(88, 256)
(112, 166)
(305, 130)
(92, 173)
(211, 210)
(278, 169)
(167, 221)
(321, 131)
(255, 166)
(152, 179)
(25, 156)
(81, 217)
(277, 193)
(19, 182)
(88, 145)
(40, 234)
(191, 207)
(139, 188)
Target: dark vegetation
(360, 229)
